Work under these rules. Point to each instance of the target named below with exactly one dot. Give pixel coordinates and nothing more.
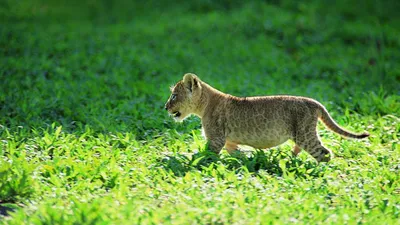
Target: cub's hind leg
(296, 150)
(311, 144)
(306, 137)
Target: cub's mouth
(176, 114)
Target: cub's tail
(324, 116)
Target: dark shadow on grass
(273, 162)
(5, 210)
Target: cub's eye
(173, 97)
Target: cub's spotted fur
(260, 122)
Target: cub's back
(270, 105)
(271, 111)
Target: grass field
(85, 139)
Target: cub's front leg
(215, 138)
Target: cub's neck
(209, 99)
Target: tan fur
(260, 122)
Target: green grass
(84, 138)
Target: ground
(85, 139)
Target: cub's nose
(165, 107)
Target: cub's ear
(191, 81)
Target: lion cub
(260, 122)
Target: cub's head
(184, 97)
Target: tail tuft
(364, 135)
(331, 124)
